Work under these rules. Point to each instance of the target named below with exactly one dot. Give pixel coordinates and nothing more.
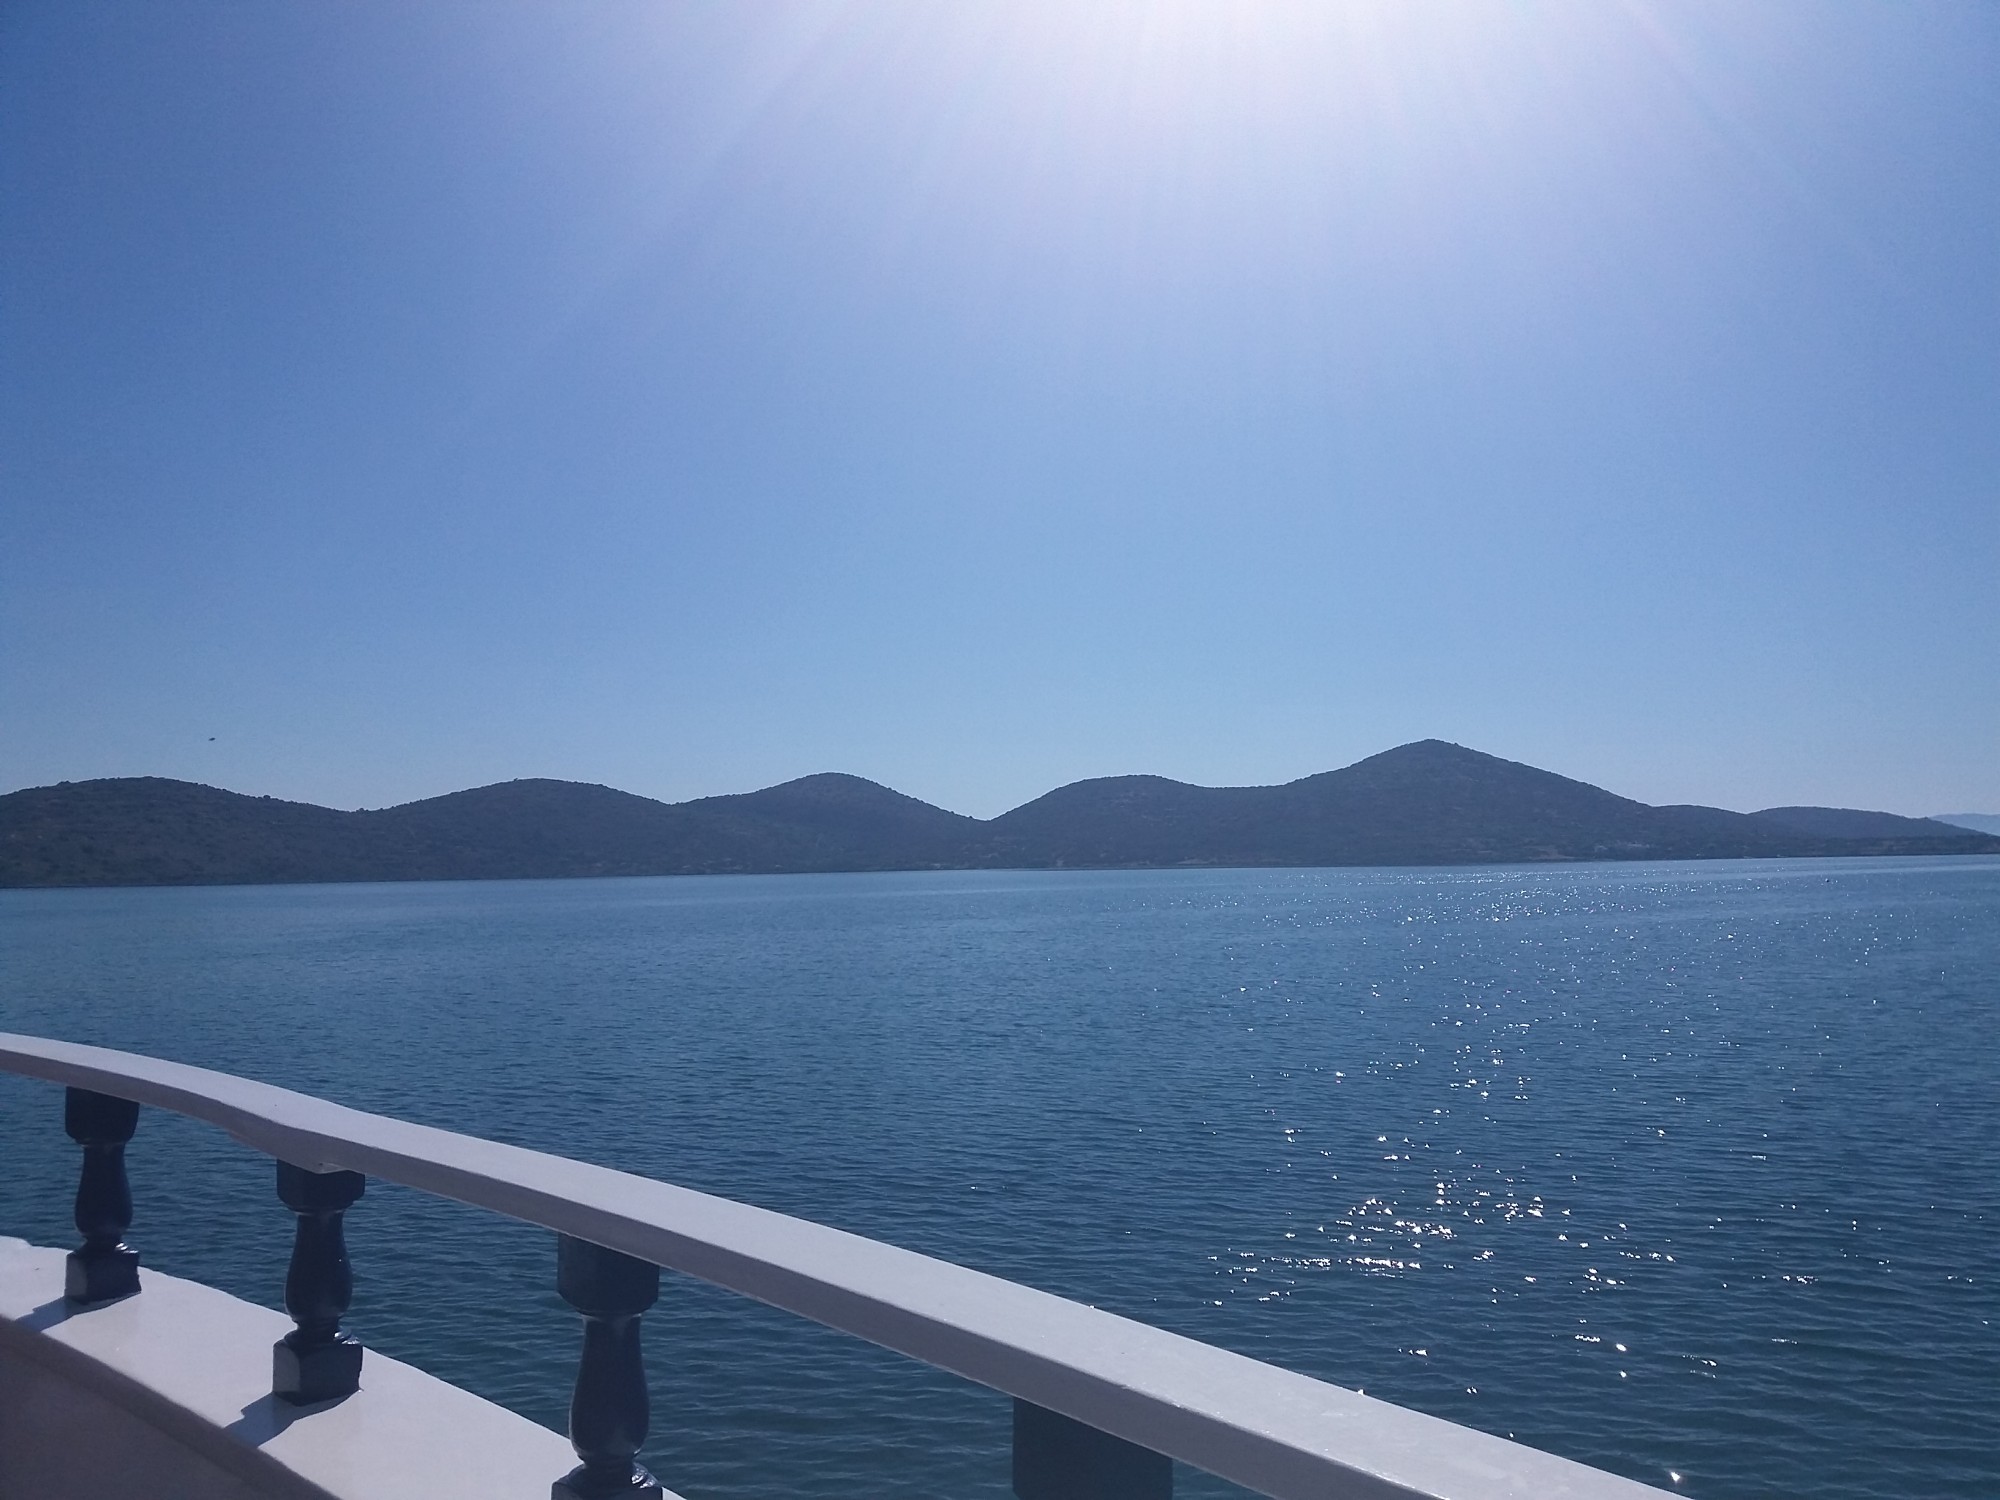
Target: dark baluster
(1059, 1458)
(317, 1361)
(104, 1266)
(608, 1413)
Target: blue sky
(688, 397)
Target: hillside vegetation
(1423, 803)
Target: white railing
(1276, 1432)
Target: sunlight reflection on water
(1680, 1170)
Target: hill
(1424, 803)
(537, 828)
(146, 830)
(1977, 822)
(1850, 823)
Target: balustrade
(1059, 1458)
(1246, 1421)
(103, 1267)
(318, 1360)
(609, 1411)
(1054, 1457)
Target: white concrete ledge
(166, 1396)
(1273, 1431)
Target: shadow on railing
(1102, 1404)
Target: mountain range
(1420, 804)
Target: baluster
(104, 1266)
(318, 1360)
(1059, 1458)
(608, 1413)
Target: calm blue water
(1675, 1169)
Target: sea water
(1685, 1170)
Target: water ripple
(1681, 1170)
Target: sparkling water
(1685, 1170)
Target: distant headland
(1428, 803)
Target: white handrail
(1276, 1432)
